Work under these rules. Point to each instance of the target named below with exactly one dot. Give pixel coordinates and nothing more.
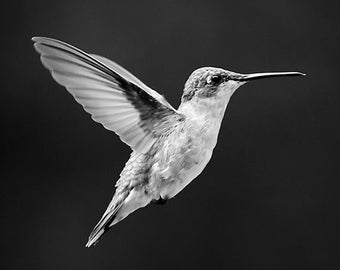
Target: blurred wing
(112, 95)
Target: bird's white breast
(184, 158)
(185, 153)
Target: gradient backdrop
(269, 198)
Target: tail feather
(108, 218)
(131, 193)
(120, 207)
(102, 226)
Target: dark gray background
(269, 198)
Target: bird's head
(208, 89)
(217, 83)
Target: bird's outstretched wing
(112, 95)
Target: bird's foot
(160, 201)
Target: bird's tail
(123, 203)
(107, 219)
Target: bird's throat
(205, 108)
(204, 117)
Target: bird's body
(171, 164)
(170, 147)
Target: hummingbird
(170, 147)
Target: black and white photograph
(170, 135)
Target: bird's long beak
(256, 76)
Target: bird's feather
(112, 95)
(129, 196)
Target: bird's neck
(205, 115)
(211, 109)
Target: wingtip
(41, 39)
(36, 38)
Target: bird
(170, 147)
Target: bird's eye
(215, 79)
